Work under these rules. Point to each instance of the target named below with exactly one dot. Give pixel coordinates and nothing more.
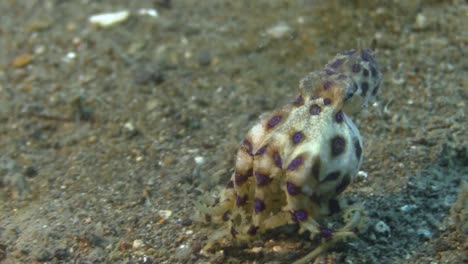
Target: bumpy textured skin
(294, 162)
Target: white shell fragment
(165, 214)
(382, 228)
(408, 208)
(108, 19)
(129, 126)
(362, 175)
(199, 160)
(138, 244)
(148, 12)
(279, 30)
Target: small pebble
(25, 251)
(361, 175)
(43, 255)
(421, 21)
(424, 233)
(382, 228)
(279, 30)
(199, 160)
(151, 75)
(204, 58)
(92, 139)
(256, 250)
(408, 208)
(97, 255)
(152, 104)
(167, 161)
(183, 252)
(70, 56)
(30, 171)
(138, 244)
(22, 60)
(151, 181)
(196, 247)
(165, 214)
(130, 130)
(148, 12)
(129, 127)
(61, 253)
(108, 19)
(164, 3)
(186, 222)
(278, 249)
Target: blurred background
(116, 115)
